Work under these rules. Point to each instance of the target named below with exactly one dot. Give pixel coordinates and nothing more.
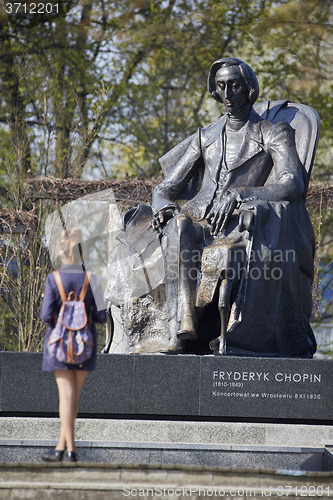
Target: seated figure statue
(234, 230)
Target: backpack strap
(85, 286)
(61, 289)
(60, 286)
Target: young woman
(69, 378)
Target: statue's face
(231, 87)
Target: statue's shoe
(214, 346)
(187, 330)
(174, 347)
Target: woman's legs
(69, 384)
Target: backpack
(71, 340)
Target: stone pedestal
(186, 410)
(175, 387)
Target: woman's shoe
(53, 456)
(72, 456)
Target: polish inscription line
(238, 384)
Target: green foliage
(293, 50)
(24, 264)
(108, 84)
(166, 98)
(105, 88)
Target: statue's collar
(236, 122)
(215, 131)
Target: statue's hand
(161, 217)
(220, 214)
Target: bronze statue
(235, 234)
(227, 245)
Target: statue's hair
(68, 246)
(246, 71)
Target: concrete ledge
(165, 446)
(168, 431)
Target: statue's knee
(246, 220)
(183, 222)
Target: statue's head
(246, 71)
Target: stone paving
(105, 481)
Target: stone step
(268, 457)
(171, 431)
(269, 446)
(105, 481)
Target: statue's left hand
(161, 217)
(220, 214)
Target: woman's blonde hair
(69, 250)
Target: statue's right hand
(219, 216)
(161, 217)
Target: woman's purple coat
(72, 279)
